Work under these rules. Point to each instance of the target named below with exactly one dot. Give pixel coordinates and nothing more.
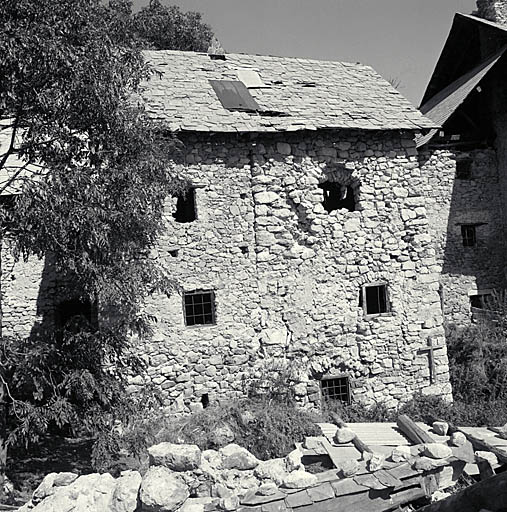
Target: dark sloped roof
(441, 107)
(301, 94)
(482, 20)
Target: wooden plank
(415, 433)
(403, 471)
(490, 494)
(479, 443)
(336, 454)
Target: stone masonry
(290, 277)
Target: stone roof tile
(344, 95)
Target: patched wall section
(464, 197)
(294, 288)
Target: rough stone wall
(493, 10)
(287, 275)
(452, 202)
(295, 294)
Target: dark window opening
(336, 389)
(480, 301)
(244, 249)
(74, 316)
(469, 235)
(174, 253)
(464, 169)
(374, 299)
(185, 206)
(205, 400)
(199, 308)
(337, 196)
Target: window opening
(205, 400)
(464, 169)
(469, 235)
(480, 301)
(74, 315)
(374, 299)
(337, 196)
(199, 308)
(336, 389)
(185, 206)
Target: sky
(400, 39)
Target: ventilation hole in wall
(174, 253)
(205, 400)
(244, 249)
(243, 195)
(393, 256)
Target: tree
(168, 28)
(70, 69)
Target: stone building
(465, 161)
(305, 236)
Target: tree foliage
(163, 27)
(70, 69)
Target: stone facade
(286, 274)
(454, 202)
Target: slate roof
(441, 106)
(482, 20)
(310, 95)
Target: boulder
(178, 457)
(293, 460)
(375, 461)
(267, 489)
(86, 493)
(274, 470)
(488, 456)
(195, 504)
(458, 439)
(440, 428)
(350, 468)
(223, 435)
(237, 457)
(437, 450)
(229, 504)
(64, 478)
(299, 479)
(344, 435)
(401, 454)
(125, 495)
(162, 490)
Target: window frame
(213, 307)
(339, 376)
(464, 237)
(376, 284)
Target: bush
(357, 412)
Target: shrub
(356, 412)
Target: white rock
(293, 460)
(178, 457)
(401, 453)
(437, 450)
(125, 495)
(458, 439)
(344, 435)
(274, 470)
(237, 457)
(162, 490)
(267, 489)
(350, 468)
(230, 503)
(483, 455)
(299, 479)
(375, 460)
(266, 197)
(440, 427)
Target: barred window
(199, 307)
(337, 388)
(469, 235)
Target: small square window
(374, 299)
(469, 235)
(464, 169)
(199, 308)
(336, 389)
(480, 301)
(185, 206)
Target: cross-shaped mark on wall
(430, 349)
